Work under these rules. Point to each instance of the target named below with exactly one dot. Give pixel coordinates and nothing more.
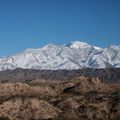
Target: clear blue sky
(34, 23)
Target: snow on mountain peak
(50, 46)
(75, 55)
(77, 44)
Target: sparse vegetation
(80, 99)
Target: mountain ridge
(75, 55)
(107, 75)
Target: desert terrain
(81, 98)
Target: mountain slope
(107, 75)
(75, 55)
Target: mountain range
(75, 55)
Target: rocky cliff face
(80, 99)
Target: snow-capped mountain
(75, 55)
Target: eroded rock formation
(80, 99)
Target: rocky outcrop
(80, 99)
(27, 109)
(83, 85)
(23, 89)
